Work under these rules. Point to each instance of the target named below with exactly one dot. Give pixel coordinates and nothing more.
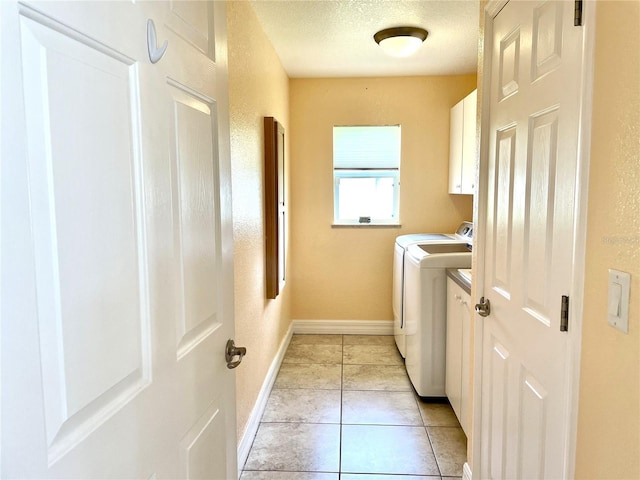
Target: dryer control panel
(465, 232)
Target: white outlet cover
(618, 300)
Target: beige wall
(258, 87)
(345, 273)
(609, 410)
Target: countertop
(462, 276)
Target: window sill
(366, 225)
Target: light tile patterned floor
(342, 408)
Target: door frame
(488, 13)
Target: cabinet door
(465, 344)
(453, 379)
(469, 145)
(455, 148)
(458, 355)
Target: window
(366, 175)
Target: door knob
(232, 352)
(484, 307)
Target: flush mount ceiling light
(400, 41)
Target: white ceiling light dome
(401, 41)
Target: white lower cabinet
(458, 343)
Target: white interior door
(529, 252)
(116, 239)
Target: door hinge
(564, 314)
(577, 13)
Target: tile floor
(342, 408)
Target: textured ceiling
(327, 38)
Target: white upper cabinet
(462, 146)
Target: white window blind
(366, 147)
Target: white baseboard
(261, 402)
(344, 327)
(466, 471)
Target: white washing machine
(464, 235)
(425, 312)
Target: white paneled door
(116, 282)
(535, 95)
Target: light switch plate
(618, 300)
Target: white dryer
(463, 235)
(425, 312)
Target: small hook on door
(155, 52)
